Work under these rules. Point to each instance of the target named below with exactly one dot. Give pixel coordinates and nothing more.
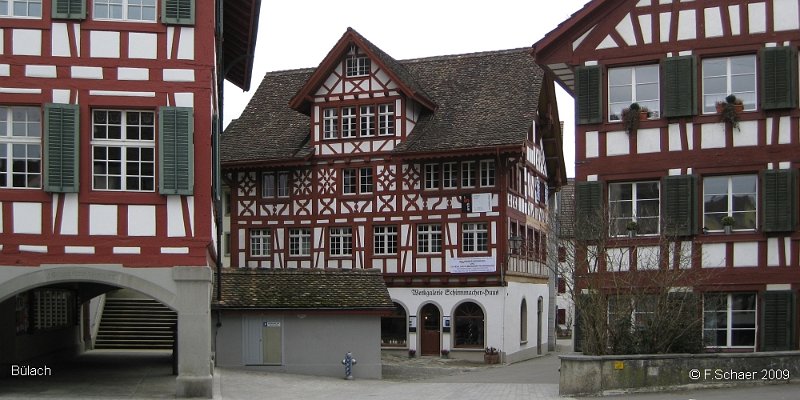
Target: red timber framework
(683, 60)
(368, 182)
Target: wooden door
(431, 331)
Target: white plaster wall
(745, 254)
(713, 255)
(86, 72)
(142, 45)
(133, 74)
(175, 226)
(712, 136)
(747, 135)
(617, 143)
(104, 44)
(59, 40)
(69, 214)
(647, 257)
(648, 140)
(186, 44)
(757, 16)
(27, 217)
(592, 144)
(26, 42)
(40, 71)
(178, 75)
(513, 348)
(618, 259)
(713, 20)
(785, 15)
(141, 220)
(664, 20)
(102, 219)
(687, 25)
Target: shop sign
(471, 265)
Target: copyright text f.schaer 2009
(719, 374)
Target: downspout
(215, 140)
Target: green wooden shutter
(680, 75)
(69, 9)
(777, 321)
(177, 12)
(588, 95)
(588, 213)
(61, 147)
(779, 188)
(778, 78)
(680, 199)
(176, 150)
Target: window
(275, 183)
(341, 241)
(125, 10)
(368, 120)
(468, 325)
(729, 75)
(634, 202)
(20, 147)
(429, 239)
(357, 66)
(393, 328)
(385, 240)
(475, 238)
(366, 180)
(349, 126)
(53, 309)
(226, 243)
(730, 196)
(123, 150)
(487, 173)
(349, 181)
(729, 320)
(523, 322)
(330, 123)
(21, 8)
(449, 175)
(260, 242)
(431, 176)
(386, 119)
(626, 85)
(300, 242)
(468, 178)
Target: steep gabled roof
(301, 100)
(484, 100)
(240, 30)
(304, 289)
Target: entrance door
(263, 342)
(539, 310)
(271, 343)
(431, 333)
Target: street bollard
(348, 363)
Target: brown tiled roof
(303, 289)
(484, 100)
(566, 212)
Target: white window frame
(30, 140)
(487, 173)
(341, 241)
(367, 120)
(357, 66)
(635, 203)
(450, 175)
(300, 242)
(386, 119)
(124, 145)
(713, 98)
(365, 180)
(475, 237)
(260, 242)
(11, 9)
(330, 123)
(615, 108)
(384, 240)
(431, 176)
(268, 187)
(429, 239)
(349, 181)
(729, 316)
(730, 194)
(349, 122)
(468, 176)
(275, 184)
(125, 7)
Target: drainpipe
(217, 190)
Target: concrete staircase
(135, 323)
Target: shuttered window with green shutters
(589, 210)
(680, 199)
(679, 83)
(778, 78)
(177, 12)
(779, 188)
(69, 9)
(588, 94)
(176, 150)
(61, 147)
(777, 321)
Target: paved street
(148, 375)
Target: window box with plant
(634, 114)
(632, 227)
(730, 109)
(727, 223)
(491, 355)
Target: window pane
(714, 67)
(620, 76)
(743, 65)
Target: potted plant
(729, 110)
(644, 114)
(632, 227)
(631, 117)
(445, 353)
(412, 353)
(491, 356)
(727, 223)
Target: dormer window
(357, 66)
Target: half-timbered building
(421, 168)
(709, 158)
(107, 115)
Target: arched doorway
(469, 326)
(430, 337)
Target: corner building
(423, 169)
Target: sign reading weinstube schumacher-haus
(470, 265)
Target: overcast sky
(298, 34)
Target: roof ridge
(467, 55)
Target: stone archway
(186, 290)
